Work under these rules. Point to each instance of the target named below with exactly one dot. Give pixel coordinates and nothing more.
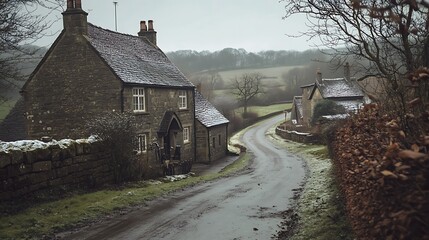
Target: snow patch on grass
(319, 208)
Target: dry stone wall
(297, 136)
(28, 167)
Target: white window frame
(139, 100)
(186, 134)
(183, 99)
(141, 143)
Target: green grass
(46, 218)
(320, 209)
(274, 74)
(5, 108)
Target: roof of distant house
(206, 113)
(135, 60)
(339, 88)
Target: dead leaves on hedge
(384, 176)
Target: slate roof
(206, 113)
(135, 60)
(13, 127)
(339, 88)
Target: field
(273, 75)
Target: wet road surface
(246, 206)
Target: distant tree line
(190, 61)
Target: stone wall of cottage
(68, 91)
(218, 142)
(159, 101)
(306, 105)
(203, 145)
(212, 142)
(80, 164)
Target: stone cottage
(211, 131)
(344, 91)
(90, 71)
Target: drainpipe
(122, 98)
(195, 127)
(226, 139)
(208, 144)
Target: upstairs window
(139, 102)
(186, 135)
(141, 143)
(183, 100)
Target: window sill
(140, 113)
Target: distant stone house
(90, 71)
(296, 115)
(344, 91)
(211, 131)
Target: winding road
(245, 206)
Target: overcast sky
(212, 25)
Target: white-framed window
(186, 134)
(183, 100)
(141, 143)
(139, 102)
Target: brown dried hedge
(384, 175)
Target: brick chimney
(347, 71)
(319, 78)
(74, 18)
(148, 31)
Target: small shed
(211, 131)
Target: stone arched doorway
(168, 131)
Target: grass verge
(320, 210)
(44, 219)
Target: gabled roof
(338, 88)
(206, 113)
(135, 60)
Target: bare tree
(208, 82)
(246, 87)
(22, 22)
(392, 36)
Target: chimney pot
(143, 27)
(319, 76)
(70, 4)
(347, 71)
(78, 4)
(147, 31)
(150, 23)
(74, 4)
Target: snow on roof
(336, 116)
(350, 105)
(339, 88)
(30, 145)
(206, 113)
(135, 60)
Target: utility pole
(116, 19)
